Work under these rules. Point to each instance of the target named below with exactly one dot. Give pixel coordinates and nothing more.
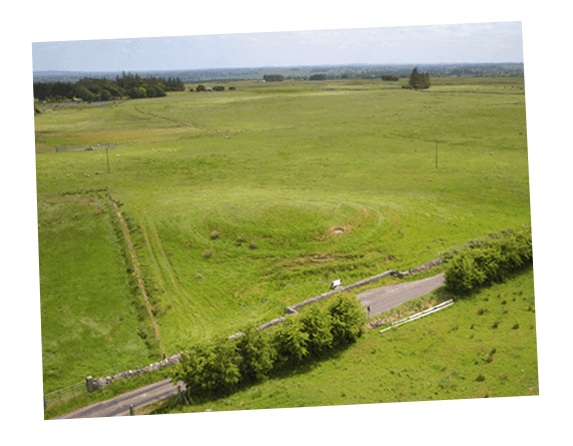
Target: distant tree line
(94, 89)
(297, 72)
(202, 87)
(273, 77)
(387, 77)
(318, 77)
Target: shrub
(488, 261)
(348, 318)
(232, 88)
(290, 341)
(200, 87)
(317, 323)
(214, 235)
(209, 370)
(105, 95)
(218, 88)
(257, 355)
(136, 93)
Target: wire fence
(65, 394)
(86, 147)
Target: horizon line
(279, 67)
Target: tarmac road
(379, 299)
(119, 405)
(385, 298)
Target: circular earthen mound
(337, 230)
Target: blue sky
(478, 42)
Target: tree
(257, 355)
(348, 318)
(273, 77)
(151, 91)
(137, 93)
(209, 369)
(419, 81)
(83, 93)
(290, 341)
(317, 323)
(105, 95)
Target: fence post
(131, 410)
(90, 384)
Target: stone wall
(293, 309)
(99, 383)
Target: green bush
(317, 323)
(257, 355)
(290, 341)
(348, 318)
(105, 95)
(488, 261)
(209, 370)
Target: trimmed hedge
(220, 367)
(490, 260)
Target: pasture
(303, 183)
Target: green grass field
(89, 325)
(283, 166)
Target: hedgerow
(486, 261)
(220, 367)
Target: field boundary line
(187, 124)
(137, 272)
(59, 395)
(293, 309)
